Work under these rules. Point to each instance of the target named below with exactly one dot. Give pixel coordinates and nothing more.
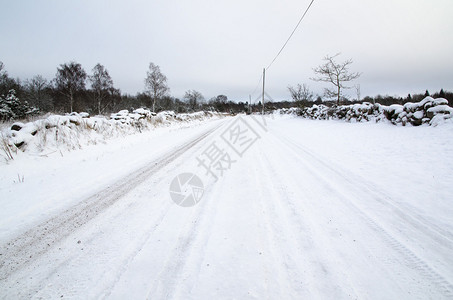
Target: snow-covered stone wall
(428, 111)
(71, 131)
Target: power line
(284, 45)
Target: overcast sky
(221, 46)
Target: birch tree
(155, 84)
(69, 80)
(101, 84)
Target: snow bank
(71, 131)
(428, 111)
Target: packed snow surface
(309, 209)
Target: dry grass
(6, 148)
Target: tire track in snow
(360, 185)
(411, 260)
(74, 284)
(418, 222)
(166, 284)
(280, 276)
(38, 240)
(114, 260)
(113, 275)
(188, 253)
(283, 232)
(182, 268)
(305, 247)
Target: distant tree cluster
(67, 92)
(73, 89)
(389, 100)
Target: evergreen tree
(12, 108)
(409, 98)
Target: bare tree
(155, 84)
(193, 98)
(7, 83)
(357, 90)
(221, 99)
(335, 73)
(300, 93)
(101, 84)
(37, 91)
(69, 80)
(4, 86)
(219, 102)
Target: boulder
(17, 126)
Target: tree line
(73, 89)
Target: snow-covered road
(310, 209)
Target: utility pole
(264, 80)
(250, 104)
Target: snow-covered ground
(302, 209)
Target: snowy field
(301, 209)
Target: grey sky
(221, 46)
